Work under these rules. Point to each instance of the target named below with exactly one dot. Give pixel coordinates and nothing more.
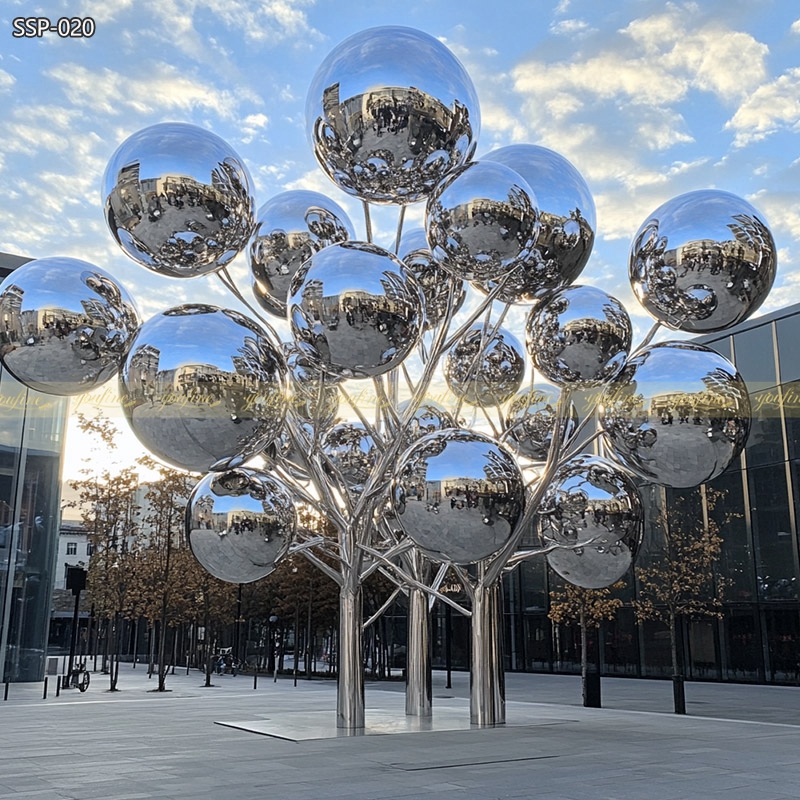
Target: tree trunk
(584, 656)
(487, 703)
(678, 689)
(418, 656)
(350, 677)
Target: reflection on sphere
(530, 421)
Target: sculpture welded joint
(411, 489)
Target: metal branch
(383, 608)
(367, 220)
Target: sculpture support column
(418, 656)
(487, 702)
(350, 679)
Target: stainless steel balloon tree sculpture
(412, 489)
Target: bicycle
(79, 677)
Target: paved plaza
(737, 742)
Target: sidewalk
(737, 742)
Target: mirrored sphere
(239, 524)
(429, 417)
(458, 495)
(567, 223)
(353, 310)
(593, 511)
(203, 386)
(703, 261)
(290, 228)
(482, 221)
(581, 336)
(178, 200)
(531, 419)
(352, 452)
(65, 325)
(434, 282)
(313, 399)
(485, 370)
(677, 415)
(389, 112)
(282, 453)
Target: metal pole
(74, 637)
(448, 645)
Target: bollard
(5, 692)
(255, 680)
(678, 694)
(44, 693)
(58, 688)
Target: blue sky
(647, 99)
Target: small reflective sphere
(566, 223)
(239, 524)
(593, 511)
(178, 200)
(581, 336)
(530, 422)
(484, 370)
(282, 453)
(352, 452)
(203, 386)
(704, 261)
(313, 399)
(432, 279)
(677, 415)
(353, 310)
(482, 221)
(291, 227)
(429, 417)
(389, 112)
(458, 495)
(65, 325)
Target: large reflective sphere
(203, 386)
(530, 422)
(352, 452)
(677, 415)
(581, 336)
(703, 261)
(65, 325)
(353, 309)
(458, 495)
(389, 112)
(593, 511)
(239, 524)
(566, 222)
(178, 200)
(432, 279)
(482, 221)
(291, 227)
(485, 370)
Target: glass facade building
(32, 427)
(758, 636)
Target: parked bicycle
(79, 677)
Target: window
(89, 548)
(72, 548)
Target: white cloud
(570, 27)
(795, 26)
(770, 107)
(7, 80)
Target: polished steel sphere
(485, 370)
(354, 310)
(312, 398)
(203, 387)
(65, 325)
(433, 281)
(592, 513)
(352, 452)
(389, 113)
(482, 221)
(531, 419)
(567, 223)
(429, 417)
(677, 415)
(703, 261)
(579, 337)
(239, 524)
(178, 200)
(290, 228)
(457, 495)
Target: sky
(647, 99)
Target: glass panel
(736, 563)
(721, 346)
(765, 442)
(742, 646)
(783, 635)
(790, 396)
(657, 651)
(755, 357)
(621, 644)
(537, 631)
(533, 585)
(772, 533)
(703, 662)
(788, 330)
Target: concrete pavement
(736, 742)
